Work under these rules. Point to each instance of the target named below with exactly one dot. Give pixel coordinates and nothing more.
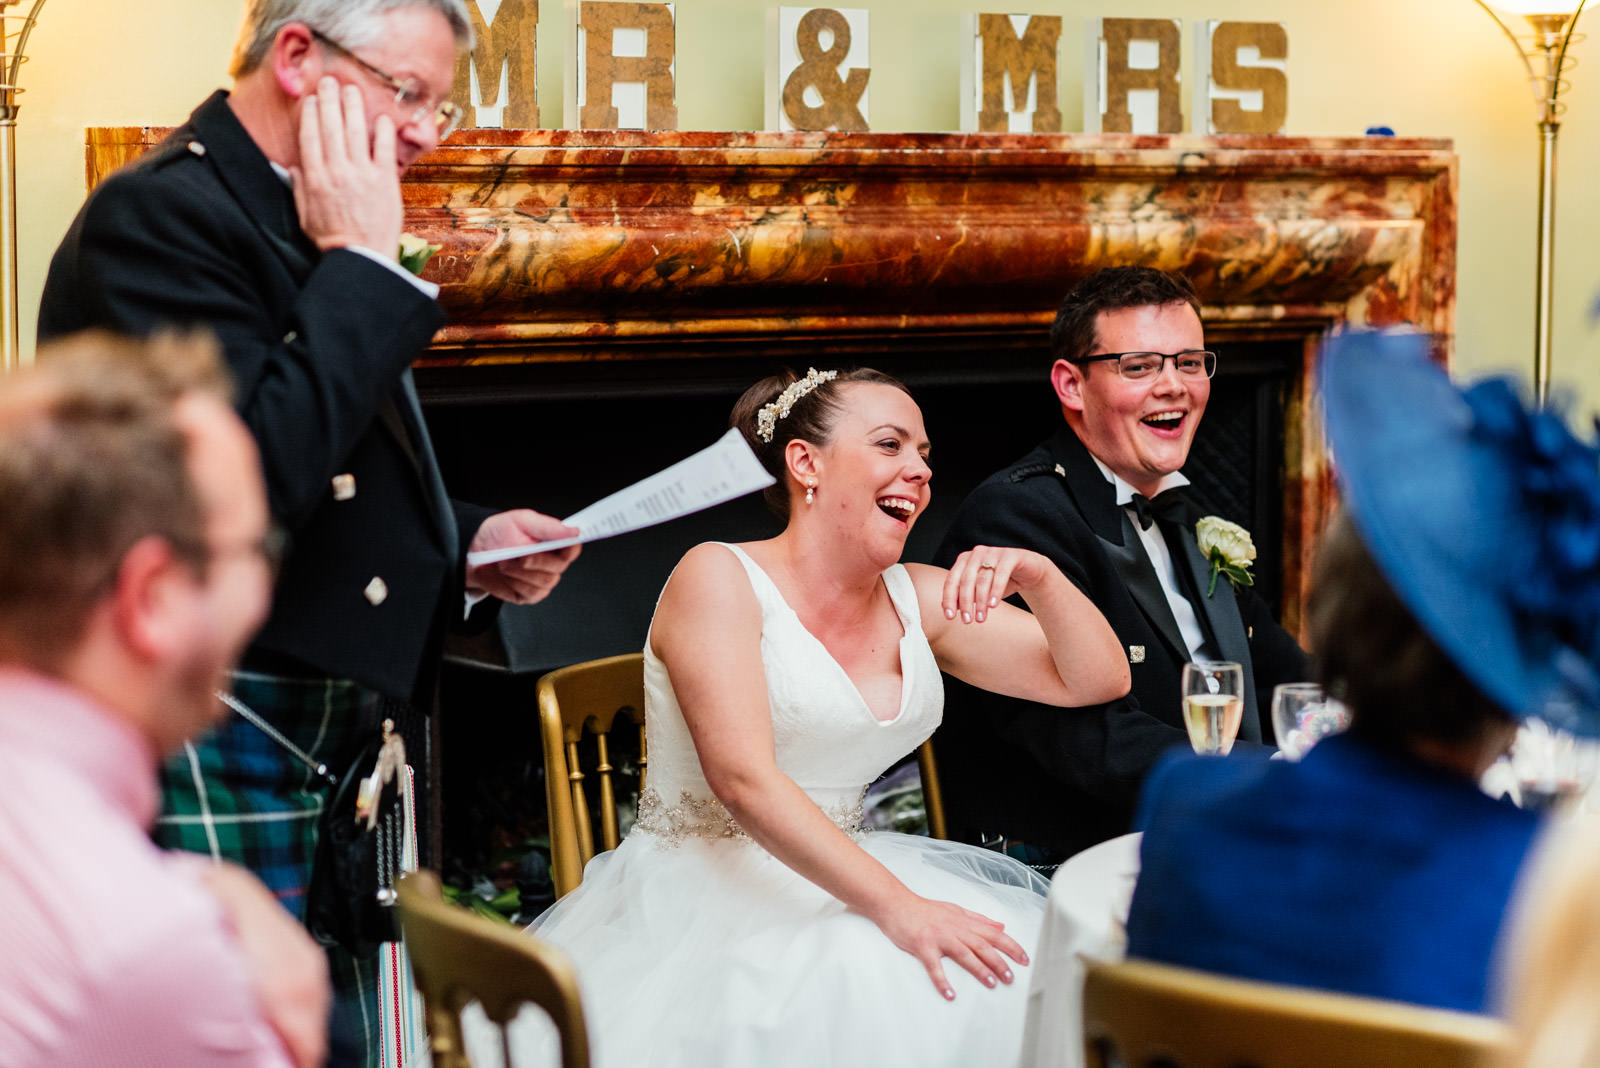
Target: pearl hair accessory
(767, 418)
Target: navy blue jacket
(1356, 870)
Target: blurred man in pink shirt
(135, 562)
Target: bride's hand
(985, 575)
(933, 930)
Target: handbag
(361, 834)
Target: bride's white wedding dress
(696, 947)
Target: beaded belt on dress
(705, 817)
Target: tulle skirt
(713, 952)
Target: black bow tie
(1168, 505)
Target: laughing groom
(1102, 498)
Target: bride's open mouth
(901, 508)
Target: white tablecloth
(1085, 914)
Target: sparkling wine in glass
(1213, 704)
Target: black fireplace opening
(600, 427)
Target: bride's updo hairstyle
(811, 417)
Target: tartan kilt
(238, 795)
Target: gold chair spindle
(608, 797)
(574, 699)
(580, 803)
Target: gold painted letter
(1032, 57)
(506, 47)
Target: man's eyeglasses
(408, 94)
(1137, 366)
(271, 547)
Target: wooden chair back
(585, 697)
(932, 798)
(458, 958)
(1140, 1014)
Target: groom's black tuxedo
(202, 232)
(1067, 778)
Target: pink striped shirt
(111, 952)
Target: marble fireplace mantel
(584, 245)
(572, 248)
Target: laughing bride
(748, 919)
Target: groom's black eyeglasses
(1135, 366)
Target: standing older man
(273, 217)
(132, 572)
(1101, 499)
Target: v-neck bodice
(825, 736)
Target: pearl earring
(811, 490)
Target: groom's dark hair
(1073, 334)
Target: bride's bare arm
(707, 630)
(1064, 653)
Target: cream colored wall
(1424, 67)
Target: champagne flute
(1302, 715)
(1213, 703)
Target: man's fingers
(383, 144)
(311, 161)
(330, 114)
(356, 141)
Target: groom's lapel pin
(1135, 654)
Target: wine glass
(1302, 715)
(1551, 766)
(1213, 703)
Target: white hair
(353, 23)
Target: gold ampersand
(819, 68)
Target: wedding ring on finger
(985, 567)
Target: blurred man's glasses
(408, 94)
(271, 547)
(1138, 366)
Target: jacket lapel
(248, 176)
(1139, 576)
(1096, 500)
(1095, 497)
(1221, 610)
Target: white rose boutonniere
(415, 253)
(1229, 549)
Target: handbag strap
(272, 732)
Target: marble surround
(571, 246)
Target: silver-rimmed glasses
(1194, 363)
(408, 93)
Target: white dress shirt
(1155, 547)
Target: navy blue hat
(1483, 515)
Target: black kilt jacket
(202, 232)
(1065, 779)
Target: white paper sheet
(715, 474)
